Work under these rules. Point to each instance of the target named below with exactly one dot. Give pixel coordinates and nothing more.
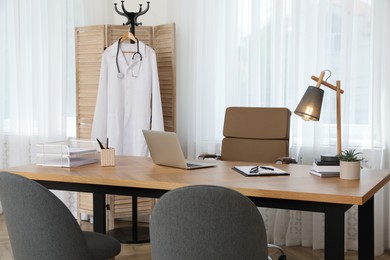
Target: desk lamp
(310, 106)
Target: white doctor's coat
(126, 106)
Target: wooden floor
(142, 251)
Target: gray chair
(41, 227)
(207, 222)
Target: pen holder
(107, 157)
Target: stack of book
(326, 167)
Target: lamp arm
(320, 79)
(339, 91)
(325, 83)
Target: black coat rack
(131, 16)
(135, 234)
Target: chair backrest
(207, 222)
(254, 134)
(39, 225)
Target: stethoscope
(120, 74)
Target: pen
(100, 144)
(254, 169)
(266, 168)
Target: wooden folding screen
(164, 45)
(90, 44)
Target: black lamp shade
(310, 106)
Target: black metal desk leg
(334, 234)
(99, 213)
(366, 230)
(134, 202)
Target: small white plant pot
(350, 170)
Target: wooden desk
(138, 176)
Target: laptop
(165, 150)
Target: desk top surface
(140, 172)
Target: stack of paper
(68, 153)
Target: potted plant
(350, 164)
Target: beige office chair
(255, 134)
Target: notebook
(165, 150)
(257, 170)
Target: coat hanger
(128, 36)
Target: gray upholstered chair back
(39, 225)
(207, 222)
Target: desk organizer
(69, 153)
(107, 157)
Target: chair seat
(102, 246)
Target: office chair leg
(282, 256)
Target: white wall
(157, 14)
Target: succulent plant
(350, 155)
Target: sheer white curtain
(263, 53)
(33, 77)
(37, 67)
